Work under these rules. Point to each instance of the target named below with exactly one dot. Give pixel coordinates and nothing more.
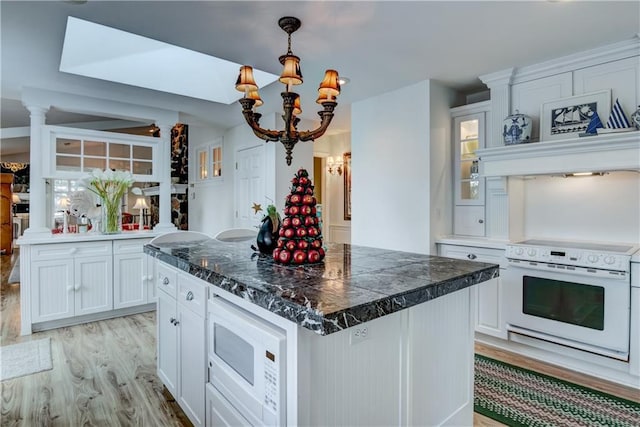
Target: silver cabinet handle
(189, 296)
(472, 256)
(173, 321)
(481, 221)
(165, 281)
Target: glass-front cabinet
(468, 140)
(468, 136)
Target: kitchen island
(373, 336)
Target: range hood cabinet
(602, 153)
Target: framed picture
(346, 158)
(567, 117)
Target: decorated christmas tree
(300, 236)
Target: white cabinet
(469, 135)
(181, 339)
(131, 273)
(488, 295)
(70, 280)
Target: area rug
(25, 358)
(518, 397)
(14, 276)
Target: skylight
(131, 59)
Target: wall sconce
(334, 166)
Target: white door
(250, 186)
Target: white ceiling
(380, 46)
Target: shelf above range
(602, 153)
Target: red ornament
(300, 239)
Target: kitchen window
(76, 152)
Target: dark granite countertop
(353, 284)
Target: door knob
(189, 296)
(165, 281)
(472, 256)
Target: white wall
(392, 168)
(441, 161)
(212, 203)
(600, 208)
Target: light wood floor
(104, 373)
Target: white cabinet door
(192, 368)
(167, 342)
(52, 293)
(469, 221)
(129, 280)
(488, 312)
(93, 278)
(488, 295)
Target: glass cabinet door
(469, 137)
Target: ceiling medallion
(291, 75)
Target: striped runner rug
(518, 397)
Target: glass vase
(111, 221)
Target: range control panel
(569, 256)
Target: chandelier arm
(326, 117)
(252, 120)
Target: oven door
(578, 307)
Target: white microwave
(246, 358)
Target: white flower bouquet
(110, 186)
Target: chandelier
(14, 166)
(291, 75)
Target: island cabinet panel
(181, 339)
(451, 402)
(356, 383)
(167, 342)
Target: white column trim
(37, 189)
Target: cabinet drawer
(192, 294)
(493, 256)
(167, 279)
(67, 250)
(130, 246)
